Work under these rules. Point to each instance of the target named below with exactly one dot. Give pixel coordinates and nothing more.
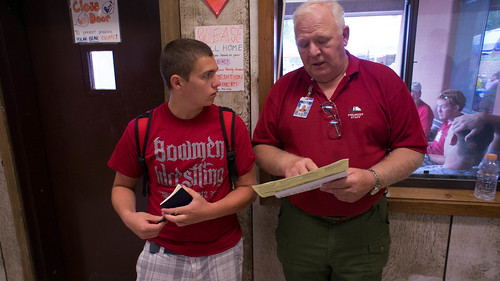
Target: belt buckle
(339, 219)
(332, 219)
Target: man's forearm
(398, 165)
(272, 159)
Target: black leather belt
(335, 219)
(339, 219)
(155, 248)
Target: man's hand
(351, 188)
(299, 166)
(473, 122)
(281, 163)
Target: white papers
(305, 182)
(309, 186)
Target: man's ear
(176, 81)
(345, 35)
(453, 140)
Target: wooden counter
(441, 201)
(432, 201)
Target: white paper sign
(95, 21)
(226, 42)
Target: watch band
(377, 186)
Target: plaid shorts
(162, 265)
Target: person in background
(474, 123)
(449, 106)
(488, 95)
(424, 110)
(462, 154)
(492, 84)
(360, 110)
(202, 240)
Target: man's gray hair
(307, 8)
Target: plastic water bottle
(487, 176)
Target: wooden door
(63, 135)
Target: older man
(424, 110)
(358, 110)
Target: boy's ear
(176, 81)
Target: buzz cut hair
(179, 57)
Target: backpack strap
(227, 117)
(142, 124)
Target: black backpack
(143, 123)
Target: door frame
(41, 258)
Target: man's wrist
(377, 186)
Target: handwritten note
(95, 21)
(226, 42)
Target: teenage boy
(449, 106)
(202, 240)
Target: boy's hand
(144, 224)
(196, 211)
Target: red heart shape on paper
(216, 6)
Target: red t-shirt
(426, 117)
(377, 113)
(437, 146)
(192, 153)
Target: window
(376, 32)
(100, 69)
(456, 46)
(458, 54)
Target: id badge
(303, 107)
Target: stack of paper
(305, 182)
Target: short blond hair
(454, 97)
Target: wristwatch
(377, 186)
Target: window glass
(456, 65)
(375, 32)
(102, 70)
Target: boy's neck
(183, 111)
